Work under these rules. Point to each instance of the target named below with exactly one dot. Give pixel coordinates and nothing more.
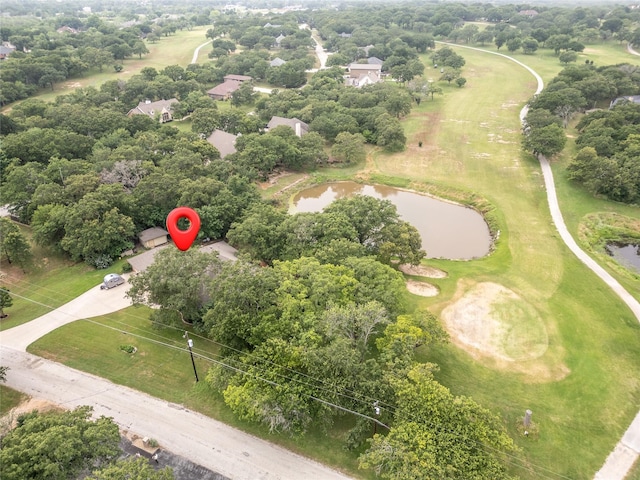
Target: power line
(390, 408)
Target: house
(67, 29)
(298, 126)
(276, 62)
(279, 39)
(223, 141)
(362, 80)
(270, 25)
(631, 98)
(358, 69)
(237, 78)
(6, 49)
(374, 61)
(528, 13)
(231, 84)
(224, 90)
(152, 237)
(161, 109)
(344, 35)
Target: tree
(390, 133)
(176, 281)
(437, 435)
(546, 141)
(529, 46)
(95, 229)
(3, 373)
(349, 148)
(58, 445)
(568, 57)
(5, 301)
(514, 44)
(14, 244)
(139, 48)
(258, 233)
(132, 469)
(244, 95)
(461, 81)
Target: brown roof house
(152, 237)
(297, 125)
(225, 90)
(160, 109)
(223, 141)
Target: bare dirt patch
(498, 327)
(423, 289)
(8, 421)
(422, 271)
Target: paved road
(209, 443)
(202, 440)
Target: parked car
(111, 280)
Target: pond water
(448, 230)
(626, 254)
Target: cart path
(627, 450)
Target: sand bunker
(422, 271)
(495, 322)
(422, 288)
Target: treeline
(574, 90)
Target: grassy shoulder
(9, 399)
(161, 367)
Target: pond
(448, 230)
(626, 254)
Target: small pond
(448, 230)
(626, 254)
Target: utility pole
(376, 409)
(190, 345)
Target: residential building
(223, 141)
(160, 109)
(298, 126)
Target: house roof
(289, 122)
(631, 98)
(223, 141)
(276, 62)
(152, 234)
(279, 38)
(237, 78)
(150, 108)
(6, 50)
(364, 66)
(362, 80)
(226, 88)
(374, 61)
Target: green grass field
(583, 391)
(9, 399)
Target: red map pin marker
(183, 238)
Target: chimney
(298, 129)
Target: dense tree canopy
(58, 445)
